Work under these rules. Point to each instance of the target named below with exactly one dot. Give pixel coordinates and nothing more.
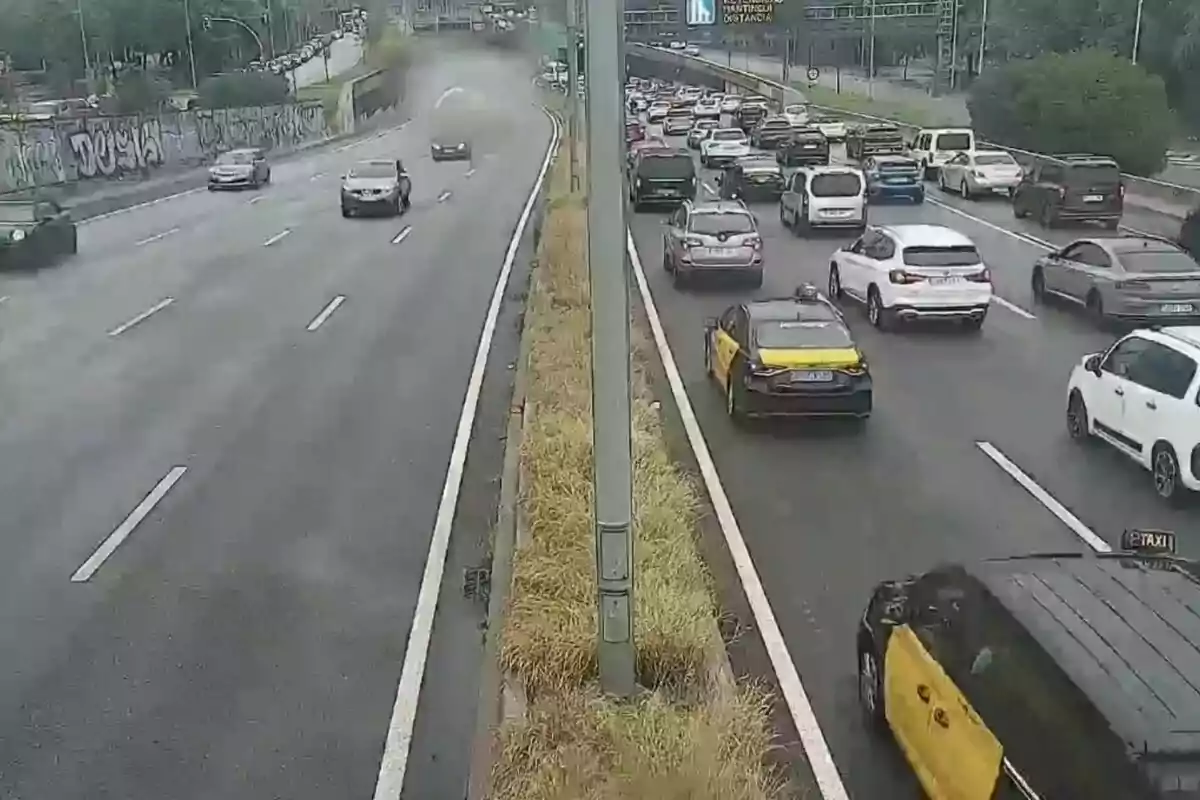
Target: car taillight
(900, 276)
(756, 243)
(1121, 191)
(983, 276)
(1132, 285)
(978, 174)
(692, 241)
(1062, 192)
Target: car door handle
(941, 717)
(1119, 392)
(923, 693)
(1151, 404)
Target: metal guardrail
(1137, 187)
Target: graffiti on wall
(111, 146)
(108, 147)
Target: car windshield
(16, 212)
(670, 166)
(241, 157)
(373, 171)
(729, 223)
(954, 141)
(955, 256)
(1093, 175)
(802, 334)
(836, 184)
(1159, 261)
(728, 136)
(995, 160)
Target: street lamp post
(187, 21)
(871, 61)
(87, 59)
(983, 38)
(1137, 32)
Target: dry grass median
(694, 734)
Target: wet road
(827, 513)
(226, 427)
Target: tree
(243, 89)
(1089, 101)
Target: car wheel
(1095, 309)
(1018, 211)
(1037, 285)
(941, 181)
(870, 686)
(679, 279)
(666, 259)
(733, 395)
(1112, 224)
(345, 212)
(73, 242)
(964, 190)
(1078, 427)
(877, 315)
(973, 324)
(835, 283)
(755, 279)
(1164, 468)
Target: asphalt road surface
(344, 54)
(827, 513)
(291, 382)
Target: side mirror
(710, 323)
(1092, 364)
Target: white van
(825, 197)
(933, 147)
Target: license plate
(1093, 198)
(810, 147)
(836, 212)
(1178, 308)
(945, 280)
(713, 252)
(898, 181)
(812, 376)
(759, 179)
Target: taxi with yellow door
(1069, 676)
(788, 357)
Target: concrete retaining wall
(102, 148)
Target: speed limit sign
(813, 73)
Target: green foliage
(243, 89)
(392, 50)
(1085, 102)
(139, 90)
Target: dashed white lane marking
(142, 317)
(394, 764)
(708, 187)
(326, 312)
(317, 176)
(1011, 306)
(1021, 237)
(444, 196)
(820, 759)
(402, 235)
(258, 199)
(157, 237)
(127, 526)
(469, 173)
(277, 237)
(1086, 534)
(3, 300)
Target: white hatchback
(913, 272)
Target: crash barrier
(1137, 187)
(102, 147)
(376, 91)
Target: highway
(226, 428)
(827, 513)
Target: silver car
(375, 187)
(1127, 278)
(978, 173)
(699, 130)
(713, 238)
(239, 169)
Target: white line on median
(326, 312)
(3, 299)
(444, 196)
(820, 759)
(402, 235)
(157, 237)
(257, 199)
(394, 764)
(147, 204)
(708, 187)
(1052, 505)
(277, 237)
(127, 526)
(469, 173)
(142, 317)
(1021, 237)
(1013, 307)
(317, 176)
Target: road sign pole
(573, 90)
(608, 272)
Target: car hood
(358, 184)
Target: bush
(391, 51)
(1085, 102)
(242, 89)
(138, 91)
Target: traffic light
(266, 18)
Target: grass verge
(910, 113)
(694, 734)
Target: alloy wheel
(1166, 473)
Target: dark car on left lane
(375, 187)
(754, 178)
(243, 168)
(34, 233)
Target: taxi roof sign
(1148, 541)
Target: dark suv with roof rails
(1060, 676)
(662, 176)
(1071, 187)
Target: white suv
(911, 272)
(1140, 396)
(724, 146)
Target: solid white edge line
(402, 235)
(469, 173)
(277, 237)
(394, 764)
(127, 526)
(326, 312)
(139, 206)
(444, 196)
(257, 199)
(820, 760)
(1052, 505)
(1021, 237)
(157, 237)
(142, 317)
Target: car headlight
(17, 235)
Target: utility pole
(187, 21)
(87, 59)
(608, 272)
(983, 39)
(1137, 33)
(269, 19)
(953, 48)
(573, 89)
(871, 60)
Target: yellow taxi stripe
(801, 357)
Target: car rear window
(666, 166)
(242, 157)
(897, 166)
(1093, 175)
(958, 256)
(776, 124)
(802, 334)
(1158, 261)
(995, 160)
(953, 141)
(839, 184)
(713, 224)
(728, 136)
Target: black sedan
(750, 179)
(34, 233)
(805, 147)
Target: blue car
(893, 178)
